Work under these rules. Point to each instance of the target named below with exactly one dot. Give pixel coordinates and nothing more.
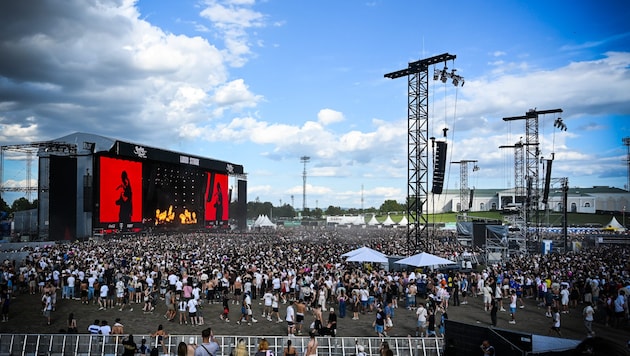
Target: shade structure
(361, 249)
(368, 256)
(424, 259)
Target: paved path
(26, 317)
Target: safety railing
(92, 345)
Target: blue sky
(262, 83)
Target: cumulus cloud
(99, 66)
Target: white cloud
(329, 116)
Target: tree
(334, 210)
(4, 206)
(21, 204)
(391, 205)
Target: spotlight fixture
(558, 123)
(444, 76)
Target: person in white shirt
(588, 312)
(268, 298)
(421, 326)
(192, 312)
(102, 299)
(290, 318)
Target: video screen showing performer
(217, 200)
(120, 190)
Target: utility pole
(305, 160)
(417, 74)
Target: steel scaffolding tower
(417, 74)
(519, 220)
(626, 142)
(464, 190)
(58, 148)
(305, 160)
(532, 162)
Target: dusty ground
(25, 317)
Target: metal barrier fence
(89, 345)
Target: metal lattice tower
(57, 148)
(417, 74)
(305, 160)
(464, 189)
(520, 219)
(626, 142)
(532, 164)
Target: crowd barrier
(92, 345)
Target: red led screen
(120, 191)
(217, 199)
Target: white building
(580, 200)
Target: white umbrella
(359, 250)
(424, 259)
(368, 256)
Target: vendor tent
(403, 221)
(360, 250)
(614, 225)
(368, 255)
(388, 221)
(424, 259)
(373, 221)
(264, 222)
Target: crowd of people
(298, 275)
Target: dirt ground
(25, 316)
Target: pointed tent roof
(424, 259)
(263, 221)
(614, 225)
(388, 221)
(368, 255)
(359, 250)
(403, 221)
(373, 220)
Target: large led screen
(120, 198)
(174, 194)
(217, 199)
(151, 194)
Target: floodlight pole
(417, 74)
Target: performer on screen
(124, 200)
(218, 204)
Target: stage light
(436, 74)
(444, 75)
(455, 81)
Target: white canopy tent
(373, 221)
(368, 255)
(388, 221)
(424, 259)
(263, 222)
(360, 250)
(614, 225)
(403, 221)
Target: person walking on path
(588, 312)
(512, 307)
(555, 322)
